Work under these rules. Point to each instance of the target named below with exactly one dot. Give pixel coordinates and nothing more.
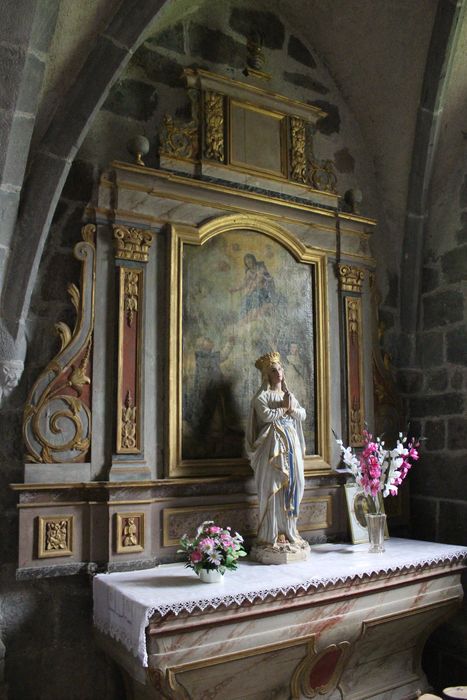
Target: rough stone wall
(433, 374)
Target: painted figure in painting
(258, 287)
(276, 448)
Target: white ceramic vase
(211, 576)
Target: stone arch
(54, 155)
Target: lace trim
(321, 582)
(140, 651)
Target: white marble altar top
(125, 602)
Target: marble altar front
(344, 624)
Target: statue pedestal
(280, 553)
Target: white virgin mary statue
(276, 448)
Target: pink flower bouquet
(377, 469)
(213, 548)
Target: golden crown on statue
(265, 361)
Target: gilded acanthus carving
(131, 243)
(131, 293)
(129, 424)
(304, 167)
(181, 139)
(298, 167)
(350, 278)
(322, 175)
(214, 126)
(57, 417)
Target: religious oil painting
(243, 294)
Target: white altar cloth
(125, 602)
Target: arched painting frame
(210, 373)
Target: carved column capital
(350, 278)
(132, 243)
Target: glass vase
(376, 524)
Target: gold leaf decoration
(64, 333)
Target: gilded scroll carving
(304, 167)
(131, 293)
(354, 370)
(322, 175)
(181, 139)
(57, 417)
(129, 424)
(214, 126)
(298, 168)
(350, 278)
(131, 243)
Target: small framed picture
(358, 505)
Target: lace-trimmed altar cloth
(125, 602)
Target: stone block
(12, 60)
(31, 84)
(331, 123)
(442, 405)
(131, 19)
(43, 28)
(457, 346)
(70, 231)
(430, 349)
(461, 234)
(430, 279)
(171, 38)
(414, 431)
(435, 435)
(436, 380)
(132, 98)
(442, 308)
(267, 24)
(305, 81)
(386, 318)
(423, 519)
(80, 181)
(410, 381)
(9, 202)
(215, 46)
(463, 194)
(392, 295)
(17, 20)
(344, 161)
(457, 434)
(18, 148)
(454, 264)
(11, 423)
(297, 50)
(84, 97)
(453, 521)
(457, 380)
(436, 474)
(59, 270)
(404, 350)
(159, 68)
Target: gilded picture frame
(192, 268)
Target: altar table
(344, 624)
